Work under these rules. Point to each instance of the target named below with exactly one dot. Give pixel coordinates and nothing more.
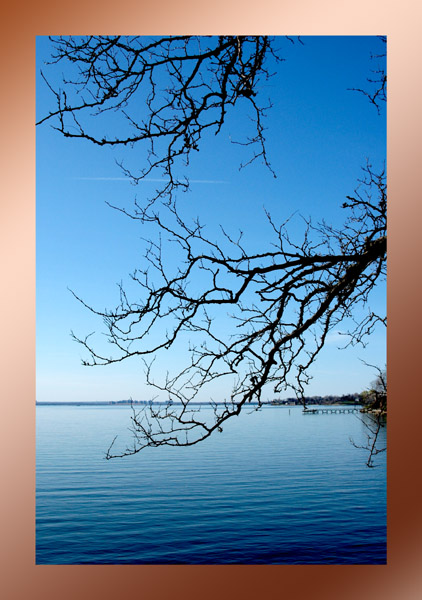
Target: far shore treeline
(324, 400)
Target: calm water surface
(276, 487)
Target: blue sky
(320, 134)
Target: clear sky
(319, 136)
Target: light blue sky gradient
(319, 136)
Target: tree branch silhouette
(188, 85)
(167, 95)
(282, 303)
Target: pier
(336, 409)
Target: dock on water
(336, 409)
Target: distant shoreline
(137, 403)
(140, 403)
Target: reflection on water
(276, 487)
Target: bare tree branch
(255, 320)
(187, 84)
(375, 400)
(282, 305)
(377, 89)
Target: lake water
(276, 487)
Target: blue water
(276, 487)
